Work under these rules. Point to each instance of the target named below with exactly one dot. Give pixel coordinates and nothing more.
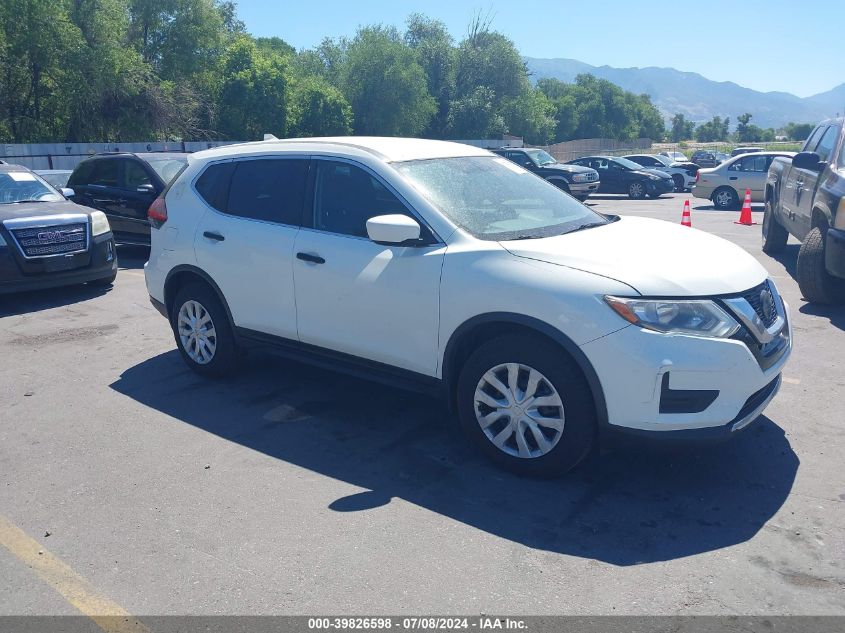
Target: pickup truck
(577, 181)
(805, 197)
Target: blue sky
(745, 41)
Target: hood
(570, 169)
(654, 257)
(36, 209)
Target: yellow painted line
(109, 616)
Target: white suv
(443, 266)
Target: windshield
(628, 163)
(541, 157)
(167, 168)
(23, 186)
(493, 199)
(664, 160)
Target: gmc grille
(59, 239)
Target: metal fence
(68, 155)
(569, 150)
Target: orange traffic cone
(686, 218)
(745, 214)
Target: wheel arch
(821, 218)
(484, 327)
(559, 181)
(180, 276)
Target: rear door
(139, 188)
(245, 239)
(99, 187)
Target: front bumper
(583, 190)
(633, 363)
(98, 262)
(660, 186)
(834, 253)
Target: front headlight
(696, 317)
(99, 223)
(585, 177)
(655, 177)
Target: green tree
(798, 131)
(436, 54)
(682, 130)
(475, 116)
(385, 85)
(531, 116)
(714, 130)
(318, 109)
(487, 58)
(254, 94)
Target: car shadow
(131, 257)
(835, 314)
(38, 300)
(621, 507)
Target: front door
(355, 296)
(807, 181)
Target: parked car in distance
(721, 157)
(448, 268)
(725, 185)
(705, 159)
(683, 174)
(745, 150)
(123, 186)
(48, 241)
(678, 157)
(578, 181)
(620, 175)
(805, 197)
(56, 177)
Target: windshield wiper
(588, 225)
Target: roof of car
(390, 149)
(6, 167)
(142, 155)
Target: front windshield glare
(541, 157)
(23, 186)
(493, 199)
(628, 163)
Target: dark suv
(123, 186)
(805, 197)
(48, 241)
(578, 181)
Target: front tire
(526, 405)
(774, 235)
(816, 284)
(636, 190)
(202, 331)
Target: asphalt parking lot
(292, 490)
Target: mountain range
(699, 98)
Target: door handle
(211, 235)
(734, 178)
(307, 257)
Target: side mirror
(392, 229)
(67, 193)
(148, 189)
(807, 160)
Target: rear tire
(552, 437)
(725, 199)
(774, 235)
(815, 283)
(202, 331)
(636, 190)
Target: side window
(810, 145)
(134, 175)
(346, 196)
(825, 146)
(271, 189)
(81, 174)
(105, 173)
(213, 185)
(754, 163)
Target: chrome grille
(592, 177)
(58, 239)
(755, 298)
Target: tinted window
(134, 175)
(104, 173)
(345, 197)
(750, 163)
(213, 185)
(81, 174)
(270, 189)
(825, 146)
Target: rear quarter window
(213, 185)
